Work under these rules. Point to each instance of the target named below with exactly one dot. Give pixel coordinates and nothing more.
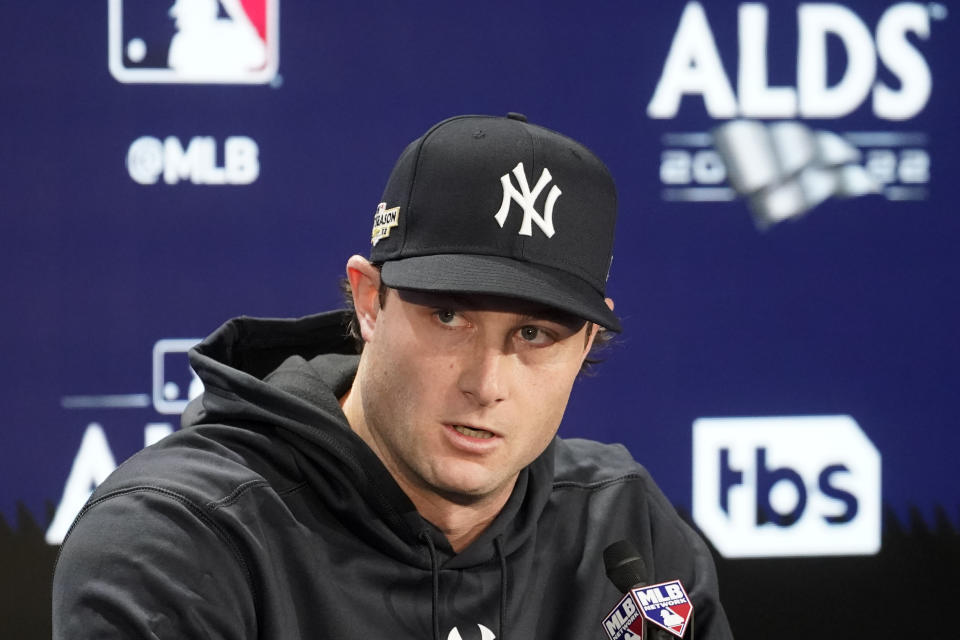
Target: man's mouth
(471, 432)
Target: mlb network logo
(666, 605)
(194, 41)
(786, 486)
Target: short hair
(601, 341)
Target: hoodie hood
(286, 377)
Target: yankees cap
(499, 206)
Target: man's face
(460, 393)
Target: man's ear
(592, 333)
(364, 280)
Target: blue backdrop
(146, 200)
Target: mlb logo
(624, 622)
(666, 605)
(194, 41)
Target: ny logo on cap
(527, 200)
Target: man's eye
(534, 335)
(446, 316)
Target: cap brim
(500, 276)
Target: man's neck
(461, 522)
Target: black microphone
(627, 571)
(625, 568)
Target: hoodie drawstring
(498, 545)
(436, 583)
(435, 570)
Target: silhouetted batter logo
(665, 605)
(193, 41)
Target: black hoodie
(267, 517)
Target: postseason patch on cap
(383, 220)
(665, 605)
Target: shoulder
(203, 465)
(580, 462)
(150, 539)
(604, 481)
(162, 525)
(190, 477)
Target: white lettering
(914, 166)
(614, 622)
(817, 100)
(757, 98)
(178, 163)
(91, 466)
(648, 596)
(148, 158)
(882, 165)
(145, 160)
(207, 171)
(708, 167)
(675, 167)
(693, 66)
(904, 61)
(241, 160)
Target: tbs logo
(194, 41)
(786, 486)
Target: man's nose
(482, 376)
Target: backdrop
(785, 263)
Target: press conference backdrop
(785, 264)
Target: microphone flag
(665, 604)
(624, 622)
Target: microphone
(665, 604)
(625, 568)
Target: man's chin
(466, 491)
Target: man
(418, 490)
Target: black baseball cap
(499, 206)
